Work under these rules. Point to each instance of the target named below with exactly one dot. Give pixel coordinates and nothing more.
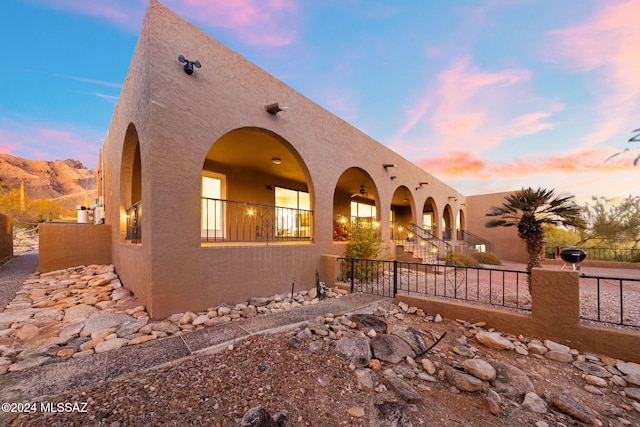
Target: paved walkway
(55, 378)
(13, 274)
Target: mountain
(68, 181)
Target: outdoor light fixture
(188, 65)
(388, 165)
(274, 108)
(276, 160)
(455, 199)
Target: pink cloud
(459, 164)
(467, 105)
(257, 22)
(44, 142)
(605, 45)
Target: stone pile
(85, 310)
(25, 240)
(386, 355)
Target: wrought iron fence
(497, 287)
(134, 222)
(610, 300)
(230, 220)
(600, 254)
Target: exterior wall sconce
(274, 108)
(454, 198)
(387, 166)
(188, 65)
(420, 184)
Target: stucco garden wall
(6, 237)
(64, 245)
(555, 315)
(506, 243)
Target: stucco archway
(447, 223)
(430, 216)
(401, 213)
(355, 201)
(255, 187)
(131, 187)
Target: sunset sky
(487, 95)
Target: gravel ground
(317, 388)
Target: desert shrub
(364, 244)
(486, 258)
(635, 258)
(462, 260)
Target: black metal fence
(606, 300)
(506, 288)
(600, 254)
(610, 300)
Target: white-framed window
(213, 193)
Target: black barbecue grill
(573, 255)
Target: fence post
(395, 277)
(353, 273)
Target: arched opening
(131, 188)
(430, 216)
(355, 203)
(447, 223)
(401, 218)
(255, 188)
(460, 225)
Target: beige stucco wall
(64, 245)
(6, 237)
(178, 118)
(506, 243)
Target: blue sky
(487, 95)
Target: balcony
(235, 221)
(344, 224)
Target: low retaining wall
(6, 237)
(555, 314)
(64, 245)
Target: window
(213, 189)
(293, 213)
(362, 210)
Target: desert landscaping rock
(356, 350)
(534, 403)
(390, 348)
(480, 369)
(494, 340)
(411, 336)
(54, 308)
(391, 389)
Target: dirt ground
(318, 388)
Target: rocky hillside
(67, 181)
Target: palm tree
(528, 210)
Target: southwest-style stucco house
(225, 183)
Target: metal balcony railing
(343, 224)
(480, 244)
(235, 221)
